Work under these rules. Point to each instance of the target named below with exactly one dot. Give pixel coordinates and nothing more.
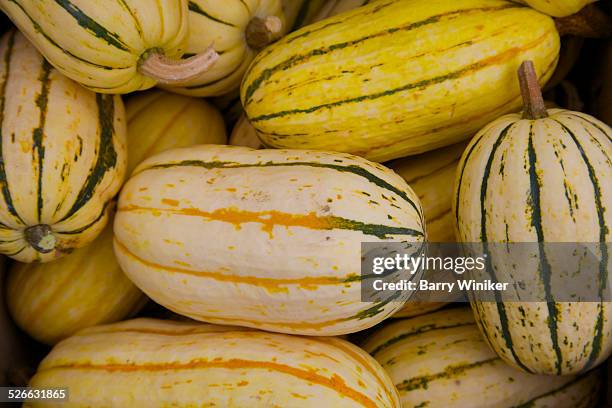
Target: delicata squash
(396, 78)
(63, 152)
(112, 46)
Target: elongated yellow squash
(158, 120)
(155, 363)
(111, 46)
(541, 177)
(63, 156)
(52, 301)
(440, 360)
(557, 8)
(396, 78)
(269, 239)
(238, 29)
(244, 134)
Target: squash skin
(568, 204)
(104, 57)
(557, 8)
(431, 175)
(226, 31)
(159, 120)
(52, 301)
(154, 363)
(440, 360)
(244, 134)
(398, 108)
(301, 12)
(197, 227)
(76, 136)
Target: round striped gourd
(269, 239)
(54, 300)
(558, 191)
(154, 363)
(63, 156)
(557, 8)
(244, 134)
(111, 46)
(365, 82)
(157, 120)
(238, 29)
(440, 360)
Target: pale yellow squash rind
(154, 363)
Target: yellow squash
(557, 8)
(155, 363)
(301, 12)
(158, 120)
(543, 176)
(267, 238)
(244, 134)
(431, 176)
(63, 156)
(396, 78)
(238, 29)
(111, 46)
(52, 301)
(440, 360)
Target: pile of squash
(199, 244)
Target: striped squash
(238, 29)
(367, 83)
(414, 308)
(63, 156)
(52, 301)
(111, 46)
(541, 177)
(155, 363)
(440, 360)
(269, 239)
(244, 134)
(157, 120)
(557, 8)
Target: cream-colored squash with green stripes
(557, 8)
(112, 46)
(237, 29)
(54, 300)
(158, 120)
(396, 78)
(155, 363)
(440, 360)
(542, 178)
(269, 239)
(63, 156)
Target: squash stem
(533, 102)
(41, 238)
(168, 71)
(261, 32)
(590, 22)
